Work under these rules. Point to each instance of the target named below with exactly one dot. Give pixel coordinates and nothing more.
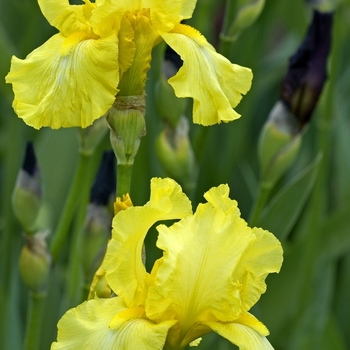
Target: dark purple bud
(104, 184)
(307, 72)
(29, 163)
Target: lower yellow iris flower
(103, 48)
(212, 272)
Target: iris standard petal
(165, 14)
(215, 84)
(247, 333)
(194, 280)
(66, 82)
(125, 271)
(67, 18)
(107, 324)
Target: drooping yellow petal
(67, 18)
(66, 82)
(126, 273)
(95, 325)
(215, 84)
(247, 333)
(207, 257)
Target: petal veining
(95, 323)
(249, 334)
(68, 81)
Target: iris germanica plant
(212, 272)
(103, 48)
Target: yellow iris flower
(212, 272)
(73, 78)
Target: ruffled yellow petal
(264, 256)
(208, 242)
(95, 324)
(215, 84)
(247, 333)
(66, 82)
(215, 239)
(67, 18)
(126, 273)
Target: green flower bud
(279, 144)
(166, 96)
(89, 138)
(247, 12)
(323, 5)
(176, 155)
(127, 123)
(35, 263)
(26, 196)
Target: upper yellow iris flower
(212, 272)
(73, 78)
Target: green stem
(225, 43)
(259, 204)
(75, 279)
(124, 173)
(69, 207)
(36, 305)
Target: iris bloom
(212, 272)
(73, 78)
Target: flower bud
(307, 74)
(280, 138)
(127, 123)
(26, 196)
(247, 13)
(323, 5)
(90, 137)
(278, 144)
(35, 263)
(176, 155)
(165, 93)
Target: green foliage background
(307, 305)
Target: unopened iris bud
(169, 106)
(307, 73)
(127, 123)
(35, 263)
(90, 137)
(176, 155)
(280, 138)
(97, 226)
(247, 12)
(323, 5)
(26, 196)
(278, 144)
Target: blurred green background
(307, 305)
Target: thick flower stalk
(212, 272)
(104, 49)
